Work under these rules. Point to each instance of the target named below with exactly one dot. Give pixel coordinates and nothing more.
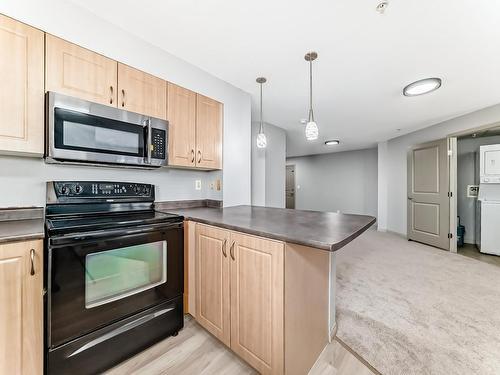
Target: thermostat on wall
(472, 191)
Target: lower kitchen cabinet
(240, 294)
(21, 308)
(257, 301)
(212, 281)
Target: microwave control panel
(91, 189)
(158, 146)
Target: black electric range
(114, 274)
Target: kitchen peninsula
(262, 280)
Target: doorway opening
(477, 198)
(290, 187)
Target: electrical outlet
(197, 184)
(218, 184)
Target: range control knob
(146, 190)
(64, 190)
(136, 189)
(78, 189)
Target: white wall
(22, 178)
(344, 181)
(268, 167)
(466, 176)
(394, 161)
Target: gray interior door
(290, 186)
(428, 201)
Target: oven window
(115, 274)
(92, 137)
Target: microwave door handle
(149, 141)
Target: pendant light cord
(311, 113)
(261, 129)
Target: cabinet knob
(110, 94)
(192, 156)
(123, 98)
(199, 156)
(32, 259)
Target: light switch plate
(197, 184)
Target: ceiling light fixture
(422, 86)
(312, 131)
(261, 137)
(332, 142)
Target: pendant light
(261, 137)
(312, 131)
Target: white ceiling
(365, 58)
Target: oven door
(98, 278)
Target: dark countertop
(323, 230)
(21, 224)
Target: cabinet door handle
(231, 251)
(110, 94)
(224, 248)
(199, 156)
(123, 98)
(32, 259)
(192, 156)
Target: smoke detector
(382, 6)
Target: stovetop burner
(88, 222)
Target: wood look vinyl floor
(472, 251)
(195, 352)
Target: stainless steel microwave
(79, 131)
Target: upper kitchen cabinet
(208, 133)
(181, 114)
(141, 92)
(76, 71)
(21, 88)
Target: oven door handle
(120, 330)
(57, 241)
(149, 143)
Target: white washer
(490, 233)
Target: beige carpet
(408, 308)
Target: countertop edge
(317, 245)
(22, 237)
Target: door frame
(294, 184)
(452, 178)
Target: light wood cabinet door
(181, 115)
(257, 302)
(21, 88)
(141, 92)
(21, 308)
(208, 133)
(212, 281)
(76, 71)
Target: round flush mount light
(422, 86)
(332, 142)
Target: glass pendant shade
(312, 131)
(261, 140)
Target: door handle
(149, 141)
(110, 94)
(123, 98)
(410, 198)
(224, 248)
(231, 251)
(199, 156)
(192, 155)
(32, 260)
